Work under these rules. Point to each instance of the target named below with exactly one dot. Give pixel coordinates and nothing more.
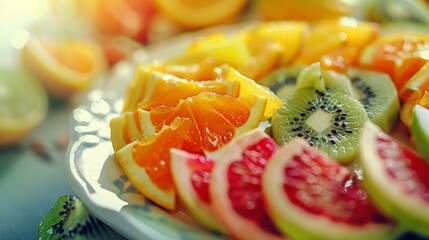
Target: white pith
(236, 225)
(137, 86)
(297, 222)
(201, 211)
(117, 125)
(408, 204)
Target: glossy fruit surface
(310, 196)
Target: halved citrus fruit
(23, 105)
(197, 14)
(214, 120)
(152, 88)
(64, 67)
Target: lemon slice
(23, 105)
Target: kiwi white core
(319, 120)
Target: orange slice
(153, 88)
(249, 87)
(204, 122)
(197, 14)
(64, 67)
(146, 162)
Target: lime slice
(23, 105)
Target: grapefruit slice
(192, 176)
(396, 178)
(310, 196)
(235, 187)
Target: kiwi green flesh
(331, 121)
(377, 94)
(282, 81)
(70, 219)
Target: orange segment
(399, 54)
(152, 88)
(337, 44)
(147, 162)
(249, 86)
(197, 14)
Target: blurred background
(51, 52)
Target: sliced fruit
(310, 196)
(147, 163)
(418, 82)
(223, 48)
(311, 76)
(420, 130)
(196, 14)
(23, 105)
(204, 122)
(288, 33)
(249, 86)
(396, 179)
(377, 93)
(70, 219)
(236, 189)
(192, 176)
(64, 67)
(337, 43)
(331, 121)
(282, 81)
(152, 88)
(399, 54)
(306, 10)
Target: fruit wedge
(310, 196)
(396, 179)
(236, 190)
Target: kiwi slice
(70, 219)
(283, 81)
(378, 95)
(331, 121)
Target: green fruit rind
(311, 76)
(236, 225)
(410, 211)
(420, 130)
(299, 224)
(201, 211)
(387, 115)
(76, 219)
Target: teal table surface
(31, 182)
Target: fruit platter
(261, 130)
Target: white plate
(91, 167)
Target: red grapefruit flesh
(396, 178)
(236, 188)
(310, 196)
(191, 176)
